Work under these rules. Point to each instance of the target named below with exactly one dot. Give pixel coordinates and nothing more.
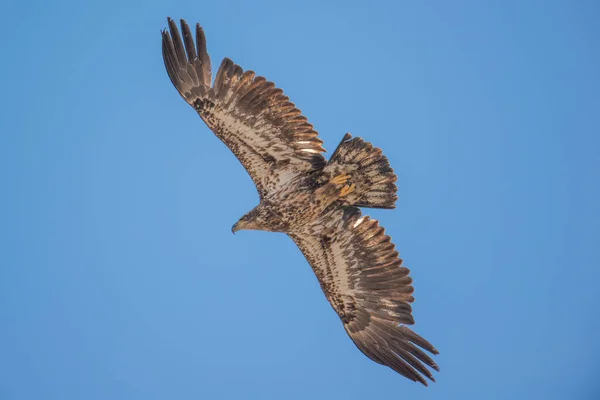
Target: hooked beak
(241, 225)
(237, 227)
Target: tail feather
(370, 171)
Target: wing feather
(272, 139)
(363, 278)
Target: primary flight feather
(313, 200)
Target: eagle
(313, 200)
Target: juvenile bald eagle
(312, 200)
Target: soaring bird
(313, 200)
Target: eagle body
(313, 200)
(306, 200)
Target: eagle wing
(266, 132)
(361, 274)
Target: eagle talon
(346, 190)
(340, 179)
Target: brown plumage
(313, 200)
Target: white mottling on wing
(358, 222)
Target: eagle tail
(370, 171)
(188, 64)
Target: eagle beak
(238, 226)
(242, 224)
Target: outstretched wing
(363, 279)
(267, 133)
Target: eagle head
(252, 220)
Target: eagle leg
(343, 180)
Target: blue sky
(121, 279)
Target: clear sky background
(120, 278)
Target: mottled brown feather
(252, 117)
(362, 277)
